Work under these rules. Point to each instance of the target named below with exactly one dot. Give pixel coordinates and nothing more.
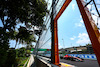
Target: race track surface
(85, 63)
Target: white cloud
(73, 6)
(80, 16)
(73, 38)
(83, 38)
(60, 46)
(79, 24)
(81, 21)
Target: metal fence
(43, 46)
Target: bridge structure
(49, 37)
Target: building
(78, 49)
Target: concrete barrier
(40, 61)
(31, 61)
(43, 62)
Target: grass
(26, 63)
(22, 61)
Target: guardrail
(85, 56)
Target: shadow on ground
(33, 64)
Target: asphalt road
(85, 63)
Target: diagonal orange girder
(91, 27)
(67, 2)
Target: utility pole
(52, 34)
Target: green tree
(11, 58)
(29, 12)
(3, 47)
(21, 52)
(24, 36)
(88, 44)
(28, 53)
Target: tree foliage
(24, 11)
(24, 36)
(12, 12)
(29, 12)
(21, 52)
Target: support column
(54, 38)
(54, 32)
(56, 50)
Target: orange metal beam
(56, 43)
(91, 27)
(56, 50)
(62, 9)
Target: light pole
(63, 42)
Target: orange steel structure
(91, 27)
(56, 57)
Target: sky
(71, 29)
